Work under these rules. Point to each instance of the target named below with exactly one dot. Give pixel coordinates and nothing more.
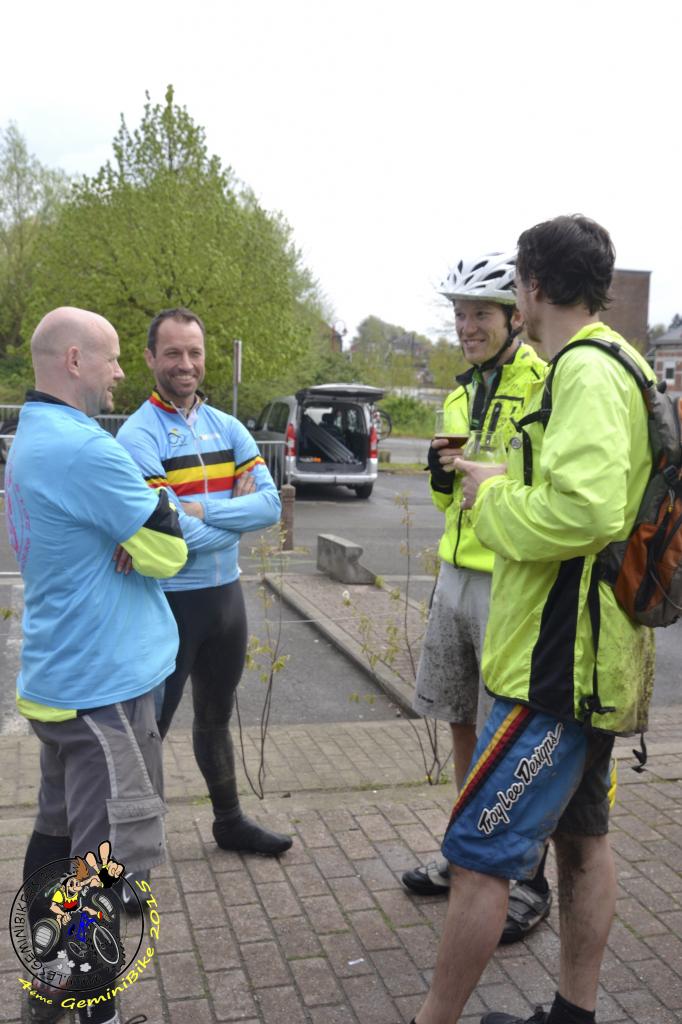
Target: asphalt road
(318, 684)
(405, 449)
(377, 524)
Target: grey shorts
(449, 684)
(102, 778)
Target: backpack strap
(613, 348)
(591, 704)
(540, 416)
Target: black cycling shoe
(433, 879)
(237, 832)
(493, 1017)
(132, 903)
(527, 908)
(44, 1010)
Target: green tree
(445, 362)
(164, 224)
(319, 365)
(389, 356)
(30, 195)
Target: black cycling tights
(212, 627)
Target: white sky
(396, 138)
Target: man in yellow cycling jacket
(488, 397)
(567, 666)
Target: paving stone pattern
(326, 935)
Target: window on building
(669, 367)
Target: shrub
(409, 415)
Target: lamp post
(236, 372)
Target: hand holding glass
(454, 440)
(485, 446)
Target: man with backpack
(569, 668)
(449, 686)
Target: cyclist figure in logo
(86, 932)
(68, 898)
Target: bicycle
(83, 935)
(88, 934)
(382, 422)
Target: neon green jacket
(459, 544)
(548, 611)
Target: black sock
(43, 849)
(97, 1013)
(538, 883)
(232, 830)
(563, 1012)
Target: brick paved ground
(326, 935)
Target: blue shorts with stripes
(531, 776)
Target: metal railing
(9, 414)
(272, 451)
(111, 423)
(273, 456)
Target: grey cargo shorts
(102, 778)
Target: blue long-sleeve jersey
(199, 458)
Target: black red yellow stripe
(191, 474)
(201, 485)
(156, 399)
(180, 462)
(246, 467)
(508, 731)
(161, 403)
(156, 481)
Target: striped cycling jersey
(199, 456)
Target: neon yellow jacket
(548, 611)
(459, 544)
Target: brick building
(629, 310)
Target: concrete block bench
(340, 559)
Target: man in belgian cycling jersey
(212, 465)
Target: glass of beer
(455, 440)
(485, 446)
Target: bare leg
(587, 903)
(463, 746)
(476, 913)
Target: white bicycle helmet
(490, 277)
